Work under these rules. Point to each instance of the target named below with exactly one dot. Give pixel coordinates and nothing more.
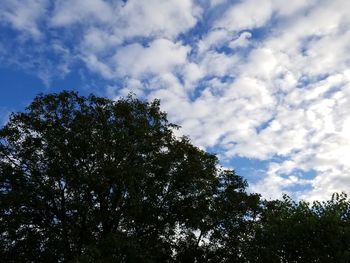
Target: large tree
(88, 179)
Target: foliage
(87, 179)
(302, 232)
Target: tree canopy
(292, 232)
(88, 179)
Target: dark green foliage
(93, 180)
(301, 232)
(87, 179)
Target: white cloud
(157, 17)
(4, 115)
(218, 64)
(315, 46)
(292, 7)
(23, 15)
(99, 42)
(302, 86)
(281, 95)
(100, 67)
(160, 57)
(250, 14)
(246, 14)
(152, 18)
(214, 39)
(136, 61)
(241, 41)
(85, 11)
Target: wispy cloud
(23, 16)
(4, 115)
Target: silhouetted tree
(87, 179)
(290, 232)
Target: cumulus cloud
(268, 83)
(160, 57)
(246, 15)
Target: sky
(264, 84)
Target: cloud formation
(269, 83)
(23, 15)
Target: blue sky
(264, 84)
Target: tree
(87, 179)
(290, 231)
